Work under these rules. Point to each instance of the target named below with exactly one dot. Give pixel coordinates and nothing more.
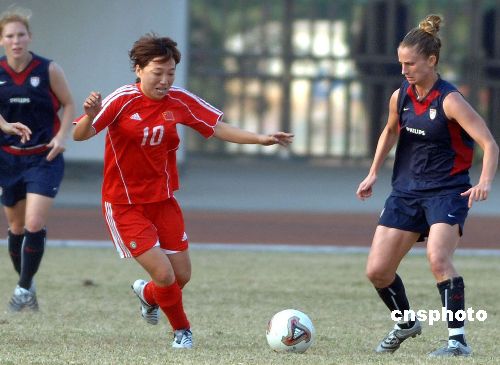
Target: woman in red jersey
(33, 91)
(140, 172)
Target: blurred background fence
(324, 69)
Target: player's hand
(281, 138)
(365, 188)
(17, 129)
(56, 146)
(478, 192)
(92, 105)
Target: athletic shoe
(183, 339)
(454, 348)
(23, 299)
(34, 304)
(149, 312)
(393, 340)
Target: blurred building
(322, 69)
(325, 69)
(90, 39)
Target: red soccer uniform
(139, 160)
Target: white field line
(259, 247)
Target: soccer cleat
(393, 340)
(454, 348)
(23, 299)
(149, 312)
(183, 339)
(33, 305)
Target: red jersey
(140, 152)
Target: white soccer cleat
(183, 339)
(452, 349)
(23, 299)
(148, 312)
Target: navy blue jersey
(433, 154)
(26, 97)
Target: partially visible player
(32, 91)
(435, 128)
(140, 173)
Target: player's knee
(16, 223)
(378, 277)
(16, 228)
(183, 279)
(439, 264)
(34, 223)
(163, 277)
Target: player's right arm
(100, 113)
(15, 128)
(386, 141)
(92, 106)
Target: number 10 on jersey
(156, 136)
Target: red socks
(169, 299)
(148, 293)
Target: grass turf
(89, 314)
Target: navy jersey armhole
(448, 89)
(402, 90)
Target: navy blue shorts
(29, 174)
(418, 214)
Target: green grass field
(89, 315)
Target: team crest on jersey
(168, 116)
(432, 113)
(34, 81)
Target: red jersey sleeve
(112, 105)
(196, 112)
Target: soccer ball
(290, 330)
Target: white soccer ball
(290, 330)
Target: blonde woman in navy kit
(32, 91)
(434, 128)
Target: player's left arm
(458, 109)
(233, 134)
(60, 88)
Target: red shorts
(136, 228)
